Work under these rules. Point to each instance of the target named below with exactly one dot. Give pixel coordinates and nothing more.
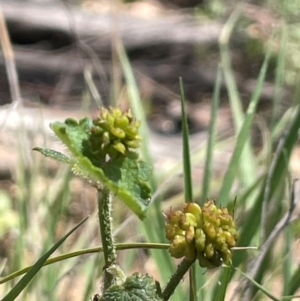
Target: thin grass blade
(287, 261)
(260, 287)
(223, 283)
(123, 246)
(276, 178)
(200, 277)
(154, 223)
(188, 185)
(243, 135)
(280, 73)
(211, 138)
(248, 168)
(294, 282)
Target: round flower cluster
(206, 234)
(113, 133)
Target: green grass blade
(211, 139)
(252, 219)
(135, 102)
(294, 282)
(279, 166)
(188, 185)
(280, 73)
(119, 247)
(231, 84)
(200, 277)
(287, 262)
(224, 281)
(276, 180)
(287, 144)
(248, 168)
(19, 287)
(154, 224)
(260, 287)
(243, 136)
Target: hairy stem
(105, 222)
(176, 278)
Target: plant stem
(105, 222)
(176, 278)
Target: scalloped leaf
(125, 177)
(136, 287)
(73, 134)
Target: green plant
(261, 183)
(103, 153)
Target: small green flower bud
(187, 220)
(103, 113)
(104, 125)
(116, 112)
(225, 211)
(233, 231)
(190, 234)
(200, 238)
(133, 143)
(132, 130)
(136, 123)
(209, 217)
(210, 206)
(170, 231)
(226, 255)
(173, 230)
(194, 209)
(220, 237)
(179, 231)
(175, 217)
(106, 137)
(97, 130)
(209, 230)
(119, 147)
(110, 119)
(121, 121)
(117, 132)
(219, 211)
(226, 220)
(209, 250)
(178, 247)
(129, 115)
(229, 239)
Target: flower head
(206, 233)
(114, 133)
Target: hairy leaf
(136, 288)
(124, 175)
